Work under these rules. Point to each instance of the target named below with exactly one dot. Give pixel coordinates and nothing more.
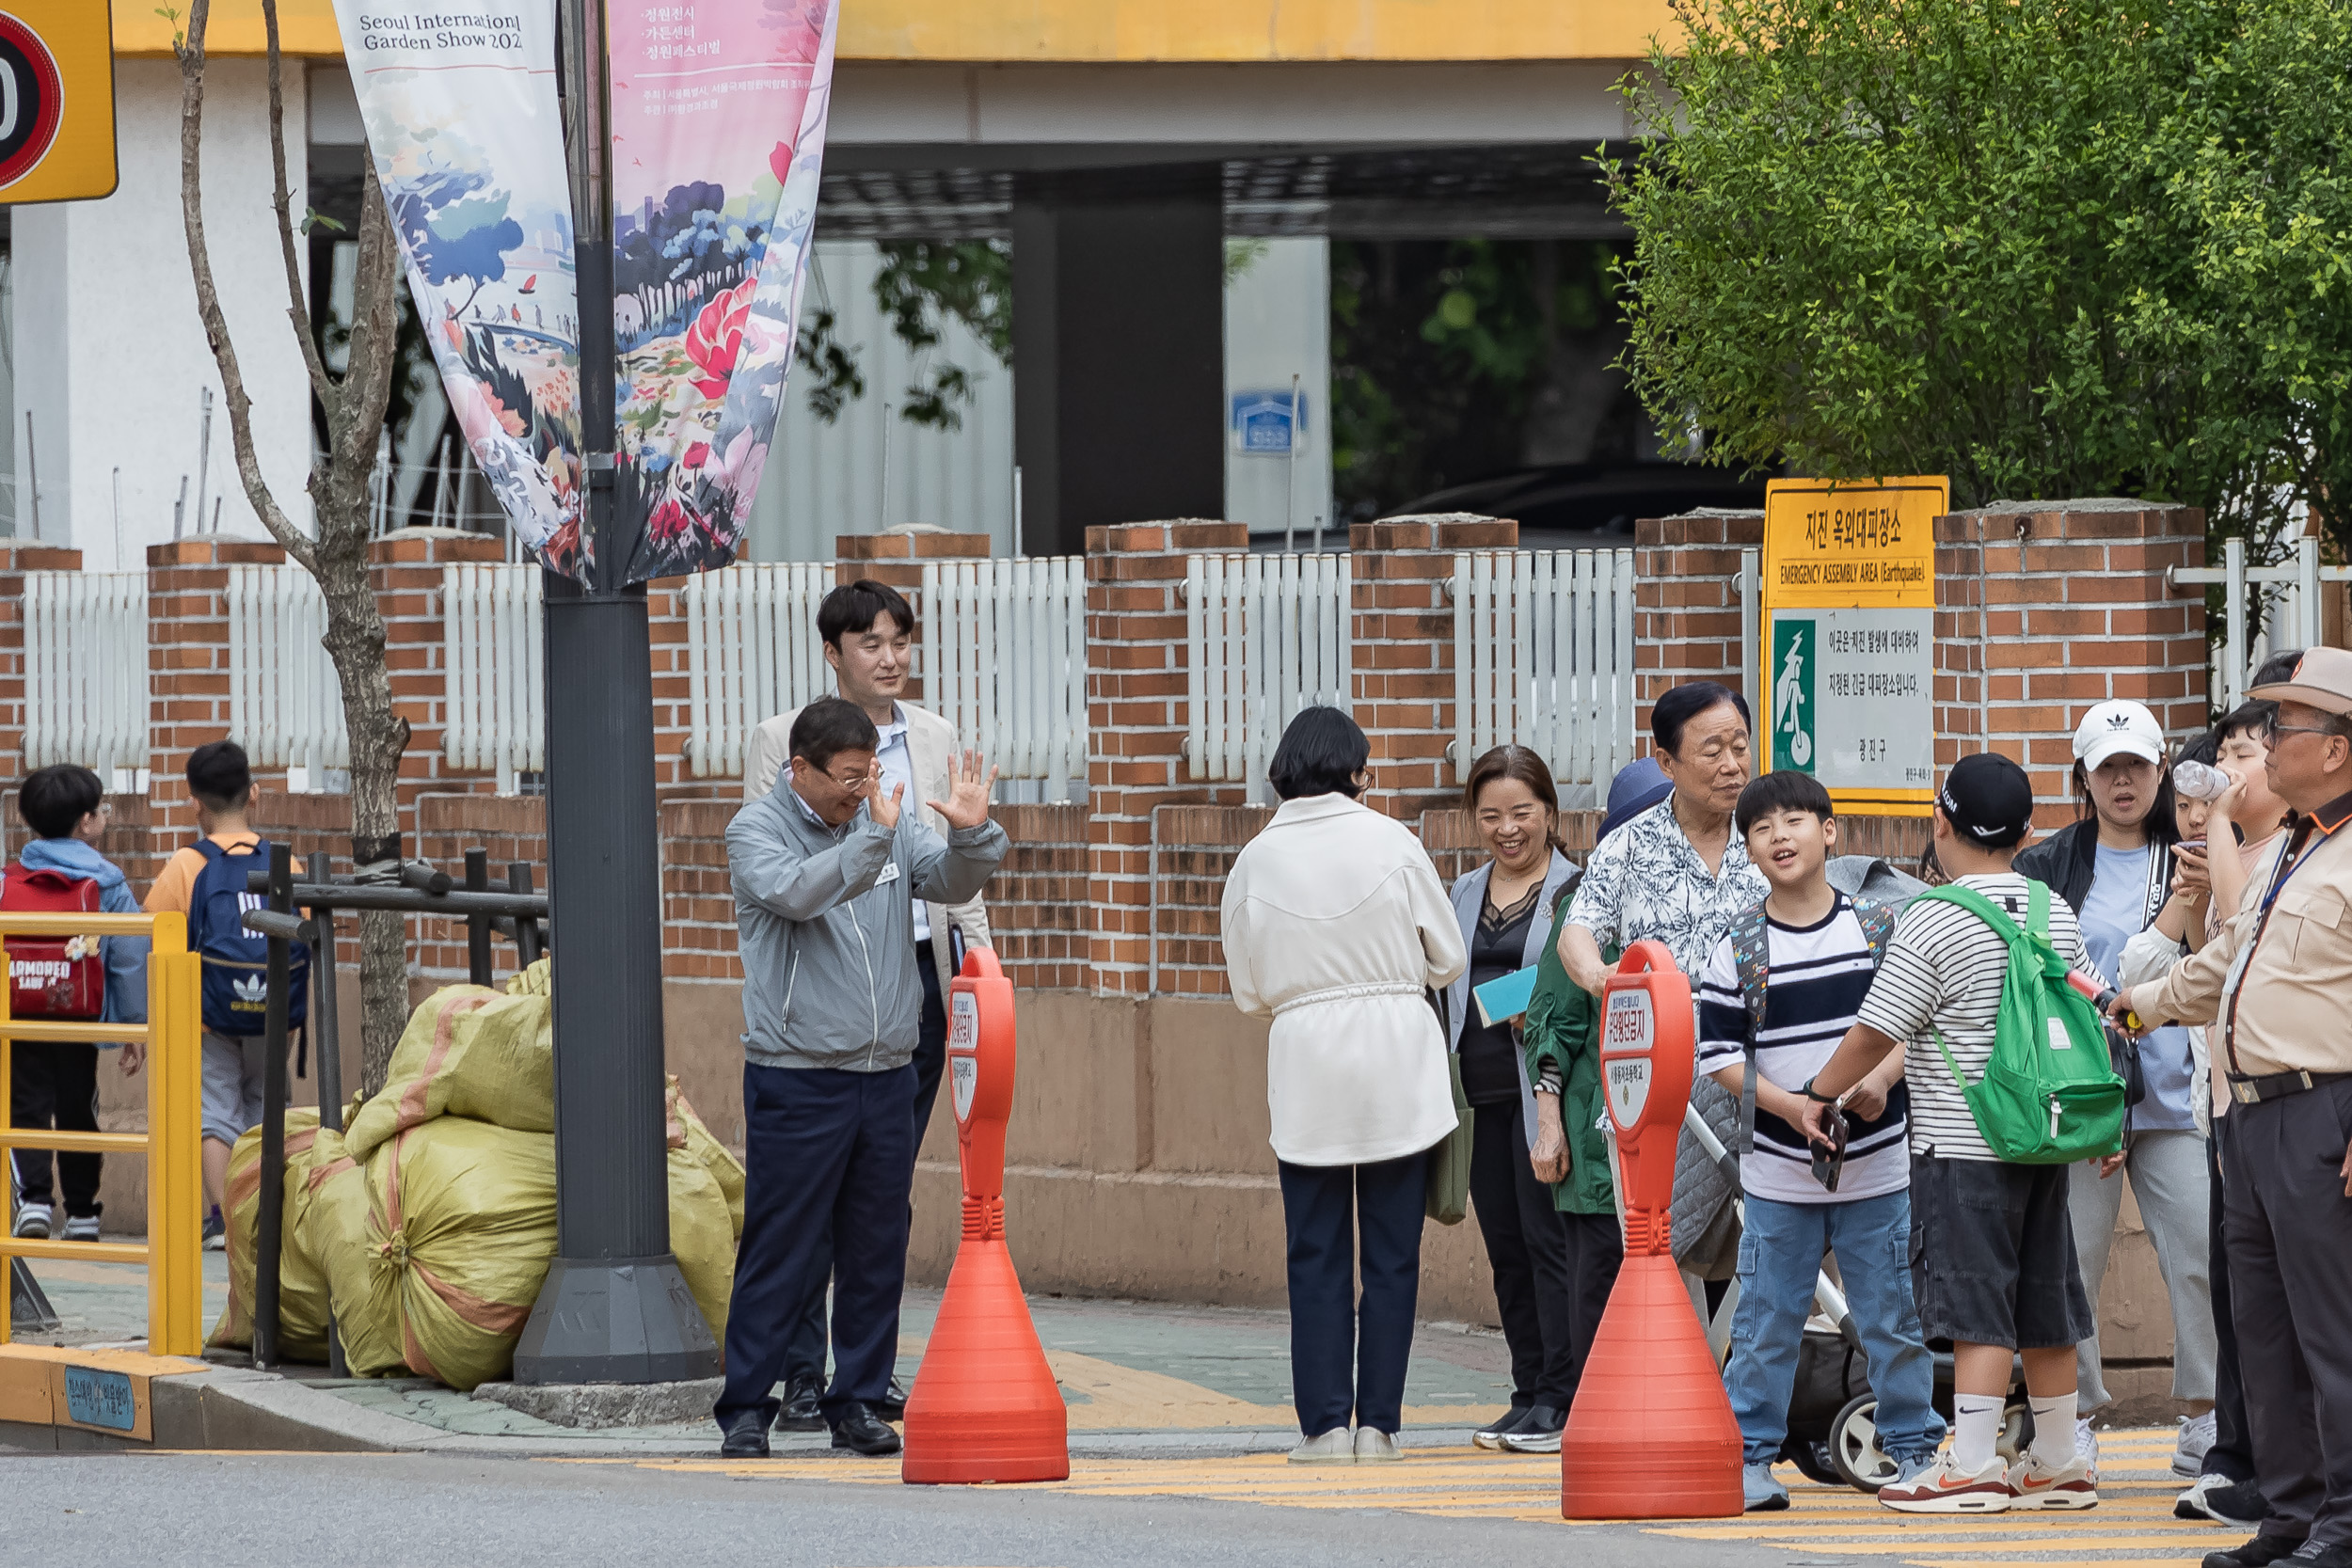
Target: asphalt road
(328, 1511)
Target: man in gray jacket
(823, 872)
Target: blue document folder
(1505, 998)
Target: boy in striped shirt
(1995, 1241)
(1781, 988)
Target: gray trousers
(2167, 1174)
(2289, 1229)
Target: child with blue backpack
(55, 1084)
(206, 882)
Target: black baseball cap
(1989, 799)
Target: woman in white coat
(1336, 927)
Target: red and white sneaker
(2034, 1484)
(1943, 1487)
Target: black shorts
(1992, 1255)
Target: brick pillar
(187, 652)
(1402, 570)
(18, 557)
(404, 568)
(1136, 711)
(1686, 604)
(2063, 604)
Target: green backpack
(2049, 1094)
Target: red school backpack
(63, 977)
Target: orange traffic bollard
(1651, 1434)
(985, 1407)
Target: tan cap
(2322, 679)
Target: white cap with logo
(2117, 725)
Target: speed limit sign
(56, 101)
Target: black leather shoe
(800, 1412)
(1538, 1434)
(892, 1405)
(745, 1437)
(2258, 1553)
(859, 1431)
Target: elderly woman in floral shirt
(1675, 874)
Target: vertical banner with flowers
(460, 107)
(718, 136)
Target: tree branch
(322, 385)
(367, 385)
(256, 489)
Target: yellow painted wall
(1124, 31)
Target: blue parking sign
(1260, 420)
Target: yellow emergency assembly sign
(56, 101)
(1848, 636)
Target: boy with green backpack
(2009, 1082)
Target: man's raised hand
(882, 808)
(968, 787)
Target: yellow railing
(175, 1074)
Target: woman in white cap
(2116, 868)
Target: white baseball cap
(2117, 725)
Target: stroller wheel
(1812, 1458)
(1854, 1445)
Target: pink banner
(718, 139)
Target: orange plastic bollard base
(1651, 1435)
(985, 1407)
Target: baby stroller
(1833, 1426)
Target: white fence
(751, 652)
(285, 706)
(1267, 634)
(1005, 661)
(1543, 656)
(2288, 613)
(495, 669)
(86, 671)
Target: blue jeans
(1780, 1255)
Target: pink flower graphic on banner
(780, 162)
(669, 523)
(717, 337)
(696, 455)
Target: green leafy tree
(922, 283)
(2050, 249)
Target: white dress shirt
(897, 769)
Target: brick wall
(18, 557)
(1686, 604)
(2044, 610)
(1036, 901)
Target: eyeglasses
(2276, 729)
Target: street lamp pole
(614, 1308)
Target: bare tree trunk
(338, 557)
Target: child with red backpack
(206, 880)
(55, 1085)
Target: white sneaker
(1375, 1447)
(82, 1228)
(2197, 1438)
(33, 1221)
(1943, 1487)
(2086, 1444)
(1335, 1446)
(2035, 1485)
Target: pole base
(616, 1320)
(30, 1312)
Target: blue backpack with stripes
(237, 960)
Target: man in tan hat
(2277, 985)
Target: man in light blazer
(869, 630)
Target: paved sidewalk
(1140, 1378)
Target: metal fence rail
(1543, 656)
(495, 669)
(1004, 662)
(1267, 634)
(86, 690)
(751, 652)
(285, 705)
